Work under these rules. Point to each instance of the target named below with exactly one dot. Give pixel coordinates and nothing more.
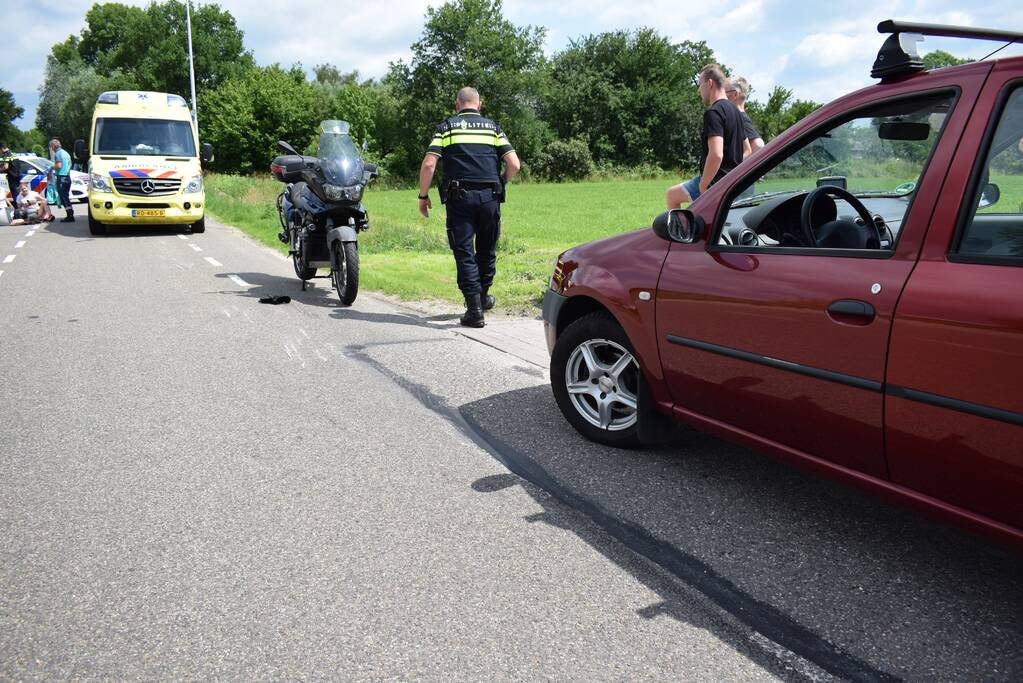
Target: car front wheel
(596, 380)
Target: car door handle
(854, 308)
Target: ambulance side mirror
(80, 150)
(205, 153)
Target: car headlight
(352, 193)
(194, 185)
(100, 183)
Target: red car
(849, 298)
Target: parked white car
(33, 169)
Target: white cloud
(747, 17)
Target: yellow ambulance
(144, 162)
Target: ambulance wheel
(95, 227)
(199, 226)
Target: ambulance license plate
(148, 213)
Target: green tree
(247, 115)
(68, 95)
(937, 59)
(779, 112)
(631, 96)
(467, 42)
(149, 46)
(9, 113)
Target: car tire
(95, 227)
(597, 380)
(199, 226)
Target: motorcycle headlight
(336, 193)
(100, 183)
(194, 185)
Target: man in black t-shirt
(723, 142)
(737, 92)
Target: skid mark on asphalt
(787, 641)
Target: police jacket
(470, 147)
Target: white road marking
(304, 333)
(9, 259)
(1, 272)
(196, 247)
(213, 261)
(238, 281)
(20, 244)
(30, 233)
(226, 312)
(182, 237)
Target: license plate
(148, 213)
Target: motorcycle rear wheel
(298, 259)
(345, 274)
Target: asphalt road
(194, 485)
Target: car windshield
(143, 137)
(880, 153)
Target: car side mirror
(79, 150)
(679, 225)
(286, 148)
(205, 152)
(989, 195)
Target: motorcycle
(320, 208)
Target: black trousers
(474, 225)
(64, 190)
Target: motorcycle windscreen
(341, 160)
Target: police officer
(472, 148)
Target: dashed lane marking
(30, 233)
(9, 259)
(195, 247)
(238, 281)
(213, 261)
(20, 244)
(182, 237)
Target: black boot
(473, 316)
(486, 299)
(70, 217)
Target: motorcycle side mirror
(285, 147)
(679, 225)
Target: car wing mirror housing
(679, 225)
(989, 195)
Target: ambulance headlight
(100, 183)
(194, 185)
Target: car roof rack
(898, 55)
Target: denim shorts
(692, 187)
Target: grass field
(407, 255)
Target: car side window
(848, 186)
(994, 227)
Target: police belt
(456, 189)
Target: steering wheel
(806, 225)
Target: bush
(564, 160)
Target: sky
(817, 50)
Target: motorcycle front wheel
(345, 274)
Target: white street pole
(191, 64)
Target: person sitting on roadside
(737, 92)
(723, 141)
(31, 207)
